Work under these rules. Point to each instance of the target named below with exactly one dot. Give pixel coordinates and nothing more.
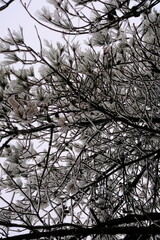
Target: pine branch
(6, 5)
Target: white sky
(15, 15)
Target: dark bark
(6, 5)
(83, 232)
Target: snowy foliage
(80, 126)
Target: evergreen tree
(80, 125)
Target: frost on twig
(23, 112)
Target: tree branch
(6, 5)
(153, 230)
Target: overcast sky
(15, 15)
